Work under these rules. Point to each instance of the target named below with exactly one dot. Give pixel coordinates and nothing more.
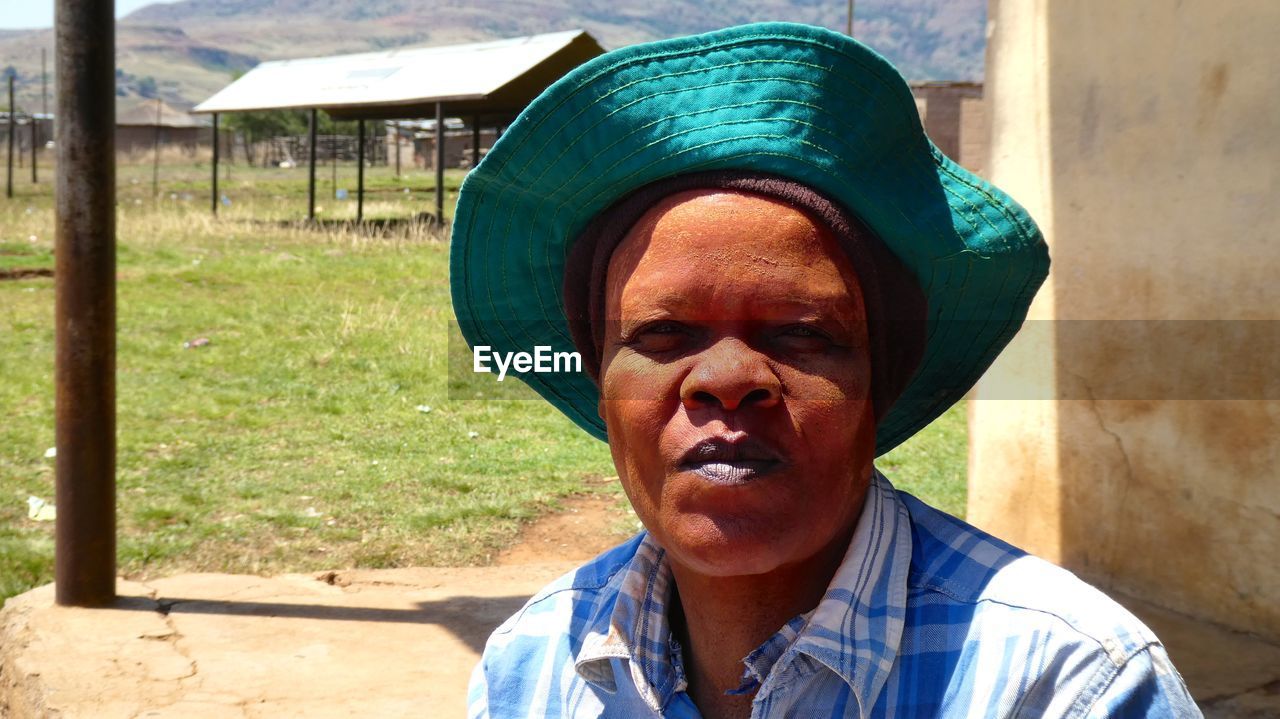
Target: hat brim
(791, 100)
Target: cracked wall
(1143, 139)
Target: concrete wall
(954, 116)
(1145, 139)
(457, 147)
(142, 138)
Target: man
(772, 278)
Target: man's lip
(732, 460)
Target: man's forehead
(711, 213)
(693, 246)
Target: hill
(184, 51)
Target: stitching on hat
(579, 86)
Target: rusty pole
(85, 308)
(440, 162)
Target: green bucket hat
(790, 100)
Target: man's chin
(726, 548)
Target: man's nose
(730, 374)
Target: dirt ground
(585, 527)
(250, 647)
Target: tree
(147, 87)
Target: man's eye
(803, 338)
(664, 336)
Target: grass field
(299, 437)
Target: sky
(39, 13)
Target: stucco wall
(1145, 139)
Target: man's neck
(721, 620)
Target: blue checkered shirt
(926, 617)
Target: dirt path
(586, 526)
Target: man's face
(735, 382)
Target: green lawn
(298, 438)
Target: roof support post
(155, 155)
(360, 174)
(10, 130)
(311, 167)
(440, 162)
(213, 195)
(475, 140)
(35, 141)
(397, 135)
(85, 304)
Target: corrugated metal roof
(474, 77)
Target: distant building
(459, 140)
(955, 117)
(22, 135)
(141, 124)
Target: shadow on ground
(470, 619)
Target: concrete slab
(1231, 674)
(384, 643)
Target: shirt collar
(855, 631)
(636, 628)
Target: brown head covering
(895, 307)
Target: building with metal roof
(498, 77)
(484, 83)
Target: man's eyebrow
(677, 306)
(662, 299)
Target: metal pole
(35, 138)
(396, 128)
(360, 174)
(44, 102)
(9, 133)
(475, 140)
(85, 306)
(849, 28)
(440, 162)
(155, 162)
(333, 164)
(215, 163)
(311, 169)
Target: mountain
(184, 51)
